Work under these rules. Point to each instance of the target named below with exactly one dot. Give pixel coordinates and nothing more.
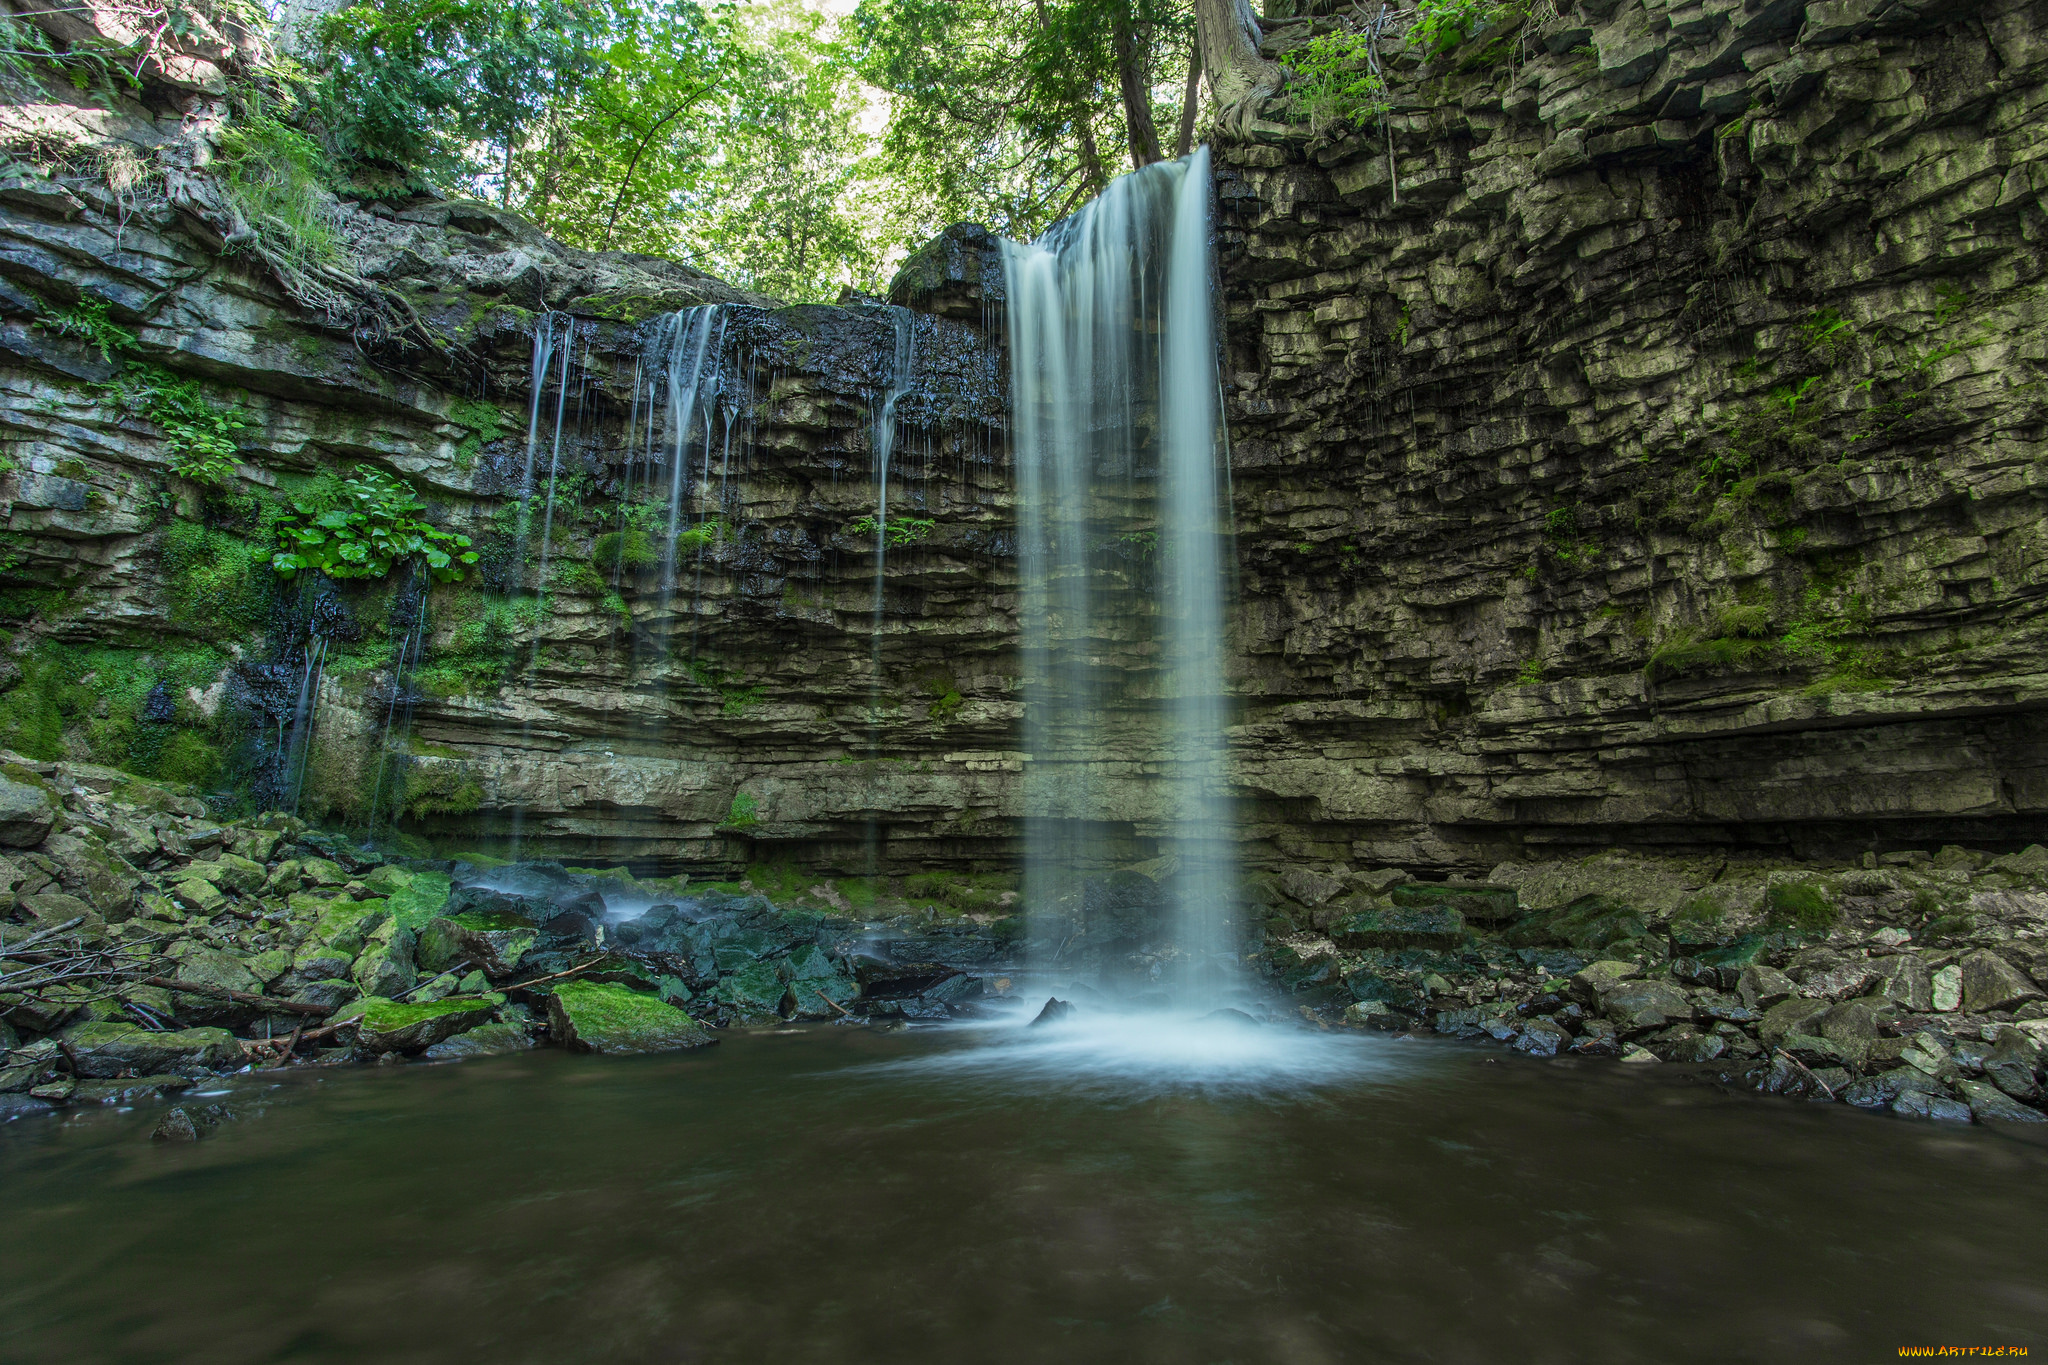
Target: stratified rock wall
(1639, 439)
(1635, 435)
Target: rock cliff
(1636, 437)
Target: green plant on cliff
(1481, 32)
(1335, 81)
(212, 583)
(902, 530)
(744, 813)
(198, 430)
(372, 527)
(87, 321)
(487, 422)
(276, 177)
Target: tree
(1002, 109)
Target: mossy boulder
(107, 1049)
(485, 1040)
(385, 965)
(816, 977)
(592, 1016)
(348, 925)
(230, 872)
(754, 993)
(493, 943)
(421, 896)
(1400, 927)
(1589, 924)
(201, 966)
(385, 1025)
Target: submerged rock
(1054, 1011)
(589, 1016)
(176, 1126)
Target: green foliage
(1444, 27)
(623, 551)
(744, 813)
(487, 422)
(738, 697)
(1799, 905)
(197, 429)
(87, 321)
(902, 530)
(1010, 112)
(1335, 82)
(1531, 674)
(372, 527)
(277, 177)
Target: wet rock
(385, 966)
(384, 1025)
(1638, 1055)
(1921, 1105)
(1310, 888)
(485, 1040)
(28, 810)
(1054, 1011)
(1839, 981)
(817, 982)
(1796, 1015)
(1400, 928)
(1598, 1038)
(588, 1016)
(1905, 981)
(1542, 1038)
(1372, 1014)
(132, 1090)
(1927, 1054)
(202, 966)
(492, 943)
(1589, 983)
(2012, 1064)
(1638, 1006)
(754, 993)
(105, 1050)
(1852, 1026)
(1989, 1104)
(1762, 987)
(1947, 989)
(176, 1126)
(1690, 1046)
(1989, 982)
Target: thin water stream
(1002, 1194)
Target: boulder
(52, 908)
(1762, 987)
(754, 993)
(1055, 1010)
(485, 1040)
(27, 810)
(589, 1016)
(1797, 1015)
(1989, 1104)
(1590, 982)
(493, 944)
(2013, 1063)
(202, 966)
(1400, 927)
(1905, 981)
(1852, 1027)
(815, 978)
(1992, 983)
(1310, 888)
(385, 966)
(384, 1025)
(1946, 988)
(107, 1049)
(1542, 1038)
(1639, 1006)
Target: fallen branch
(522, 985)
(1825, 1087)
(269, 1002)
(9, 949)
(843, 1014)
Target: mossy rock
(419, 899)
(1478, 904)
(591, 1016)
(108, 1049)
(754, 993)
(1801, 906)
(1400, 927)
(385, 1025)
(1588, 924)
(493, 943)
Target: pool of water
(1124, 1191)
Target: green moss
(186, 757)
(487, 422)
(1700, 910)
(744, 814)
(389, 1016)
(859, 892)
(439, 789)
(1799, 905)
(623, 551)
(217, 585)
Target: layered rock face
(1635, 442)
(1639, 437)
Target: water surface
(1101, 1193)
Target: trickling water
(883, 442)
(1117, 438)
(680, 365)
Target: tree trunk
(1137, 94)
(1185, 142)
(1239, 78)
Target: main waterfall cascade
(1124, 519)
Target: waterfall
(882, 441)
(1123, 512)
(680, 378)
